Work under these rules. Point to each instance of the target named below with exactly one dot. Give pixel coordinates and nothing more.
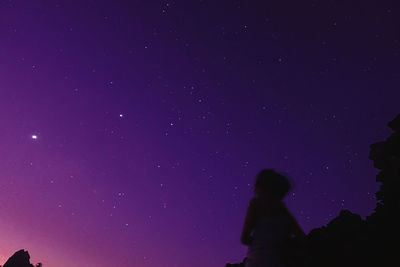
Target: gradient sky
(132, 131)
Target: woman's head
(272, 184)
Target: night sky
(132, 131)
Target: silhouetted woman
(268, 224)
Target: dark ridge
(20, 258)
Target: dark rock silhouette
(20, 258)
(349, 241)
(242, 264)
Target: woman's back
(271, 230)
(268, 223)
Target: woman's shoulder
(263, 202)
(255, 201)
(268, 207)
(259, 204)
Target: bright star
(34, 137)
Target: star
(34, 136)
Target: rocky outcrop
(20, 258)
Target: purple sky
(131, 131)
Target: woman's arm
(249, 223)
(296, 230)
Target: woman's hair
(272, 183)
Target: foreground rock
(20, 258)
